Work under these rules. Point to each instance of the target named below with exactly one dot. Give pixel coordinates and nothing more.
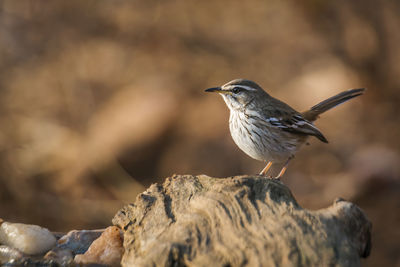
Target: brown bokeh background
(99, 99)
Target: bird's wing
(295, 123)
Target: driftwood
(238, 221)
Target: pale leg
(266, 168)
(284, 168)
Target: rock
(27, 238)
(78, 241)
(29, 262)
(7, 253)
(107, 249)
(247, 220)
(60, 255)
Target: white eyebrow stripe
(248, 88)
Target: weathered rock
(248, 220)
(107, 249)
(27, 238)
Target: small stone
(107, 249)
(32, 262)
(78, 241)
(27, 238)
(8, 253)
(59, 255)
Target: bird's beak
(217, 90)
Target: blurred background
(99, 99)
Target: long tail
(331, 102)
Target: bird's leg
(282, 172)
(266, 168)
(284, 168)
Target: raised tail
(331, 102)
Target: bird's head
(239, 94)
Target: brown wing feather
(281, 115)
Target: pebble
(59, 255)
(107, 249)
(27, 238)
(78, 241)
(8, 253)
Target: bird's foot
(269, 176)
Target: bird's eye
(235, 90)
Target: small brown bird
(267, 129)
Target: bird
(268, 129)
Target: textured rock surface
(248, 220)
